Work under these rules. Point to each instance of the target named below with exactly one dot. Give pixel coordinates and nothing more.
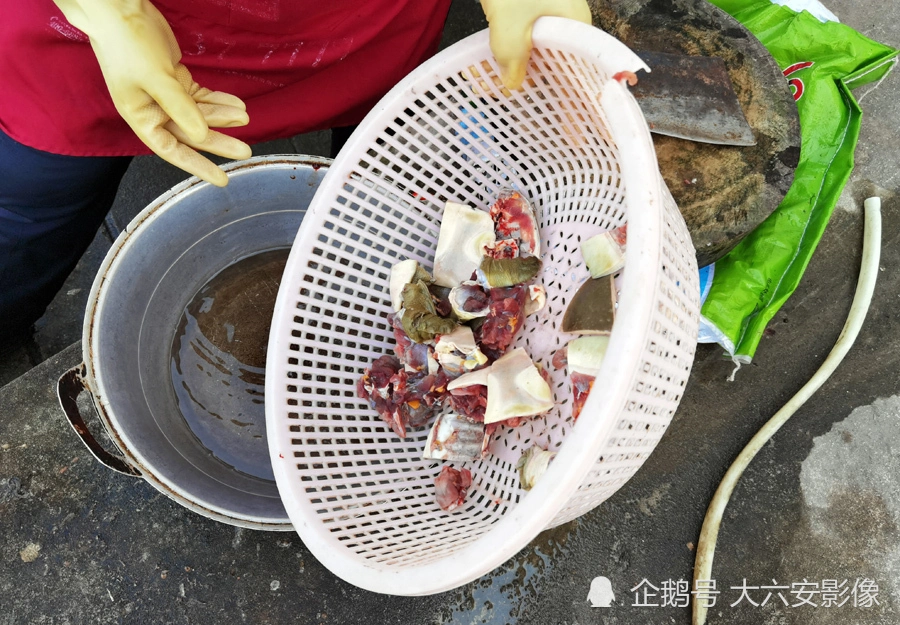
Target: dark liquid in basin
(219, 358)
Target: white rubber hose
(865, 286)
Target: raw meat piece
(620, 234)
(515, 218)
(377, 386)
(402, 399)
(451, 486)
(560, 358)
(504, 248)
(425, 392)
(469, 401)
(503, 321)
(581, 387)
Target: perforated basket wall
(362, 499)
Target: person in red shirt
(87, 84)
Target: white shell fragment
(532, 465)
(537, 298)
(585, 354)
(603, 254)
(460, 248)
(455, 438)
(402, 273)
(457, 352)
(515, 388)
(462, 293)
(479, 376)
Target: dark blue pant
(50, 209)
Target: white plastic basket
(575, 143)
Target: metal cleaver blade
(691, 97)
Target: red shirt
(299, 65)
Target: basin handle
(71, 384)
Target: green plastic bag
(823, 62)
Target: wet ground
(814, 520)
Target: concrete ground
(81, 544)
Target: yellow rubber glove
(152, 91)
(510, 24)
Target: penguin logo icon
(601, 593)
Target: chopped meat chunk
(581, 387)
(401, 398)
(514, 218)
(504, 248)
(451, 487)
(560, 358)
(469, 401)
(503, 321)
(620, 234)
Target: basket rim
(579, 452)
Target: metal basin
(166, 255)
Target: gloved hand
(152, 91)
(510, 30)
